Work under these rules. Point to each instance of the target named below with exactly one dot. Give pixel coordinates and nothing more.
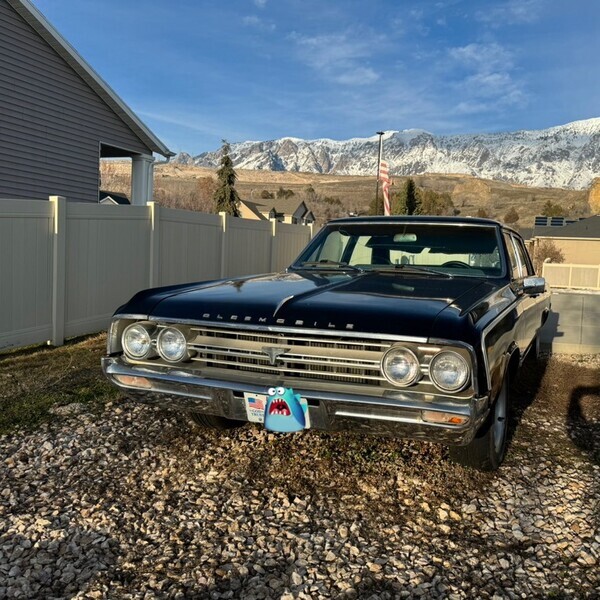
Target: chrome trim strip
(409, 222)
(277, 329)
(128, 316)
(288, 357)
(411, 420)
(291, 372)
(484, 334)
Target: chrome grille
(327, 357)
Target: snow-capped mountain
(566, 156)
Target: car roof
(418, 219)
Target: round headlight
(137, 341)
(172, 344)
(449, 371)
(400, 366)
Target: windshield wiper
(413, 268)
(325, 263)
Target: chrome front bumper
(396, 412)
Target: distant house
(58, 117)
(578, 240)
(112, 198)
(285, 210)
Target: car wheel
(486, 451)
(214, 421)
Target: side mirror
(534, 285)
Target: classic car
(406, 326)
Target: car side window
(514, 263)
(523, 258)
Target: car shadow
(524, 390)
(549, 331)
(583, 430)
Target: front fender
(498, 345)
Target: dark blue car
(406, 326)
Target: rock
(129, 503)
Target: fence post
(223, 216)
(570, 274)
(154, 243)
(273, 255)
(59, 266)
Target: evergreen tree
(411, 198)
(398, 203)
(432, 203)
(226, 197)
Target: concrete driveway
(574, 324)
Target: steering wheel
(456, 263)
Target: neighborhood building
(285, 210)
(578, 240)
(58, 117)
(111, 198)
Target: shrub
(546, 251)
(512, 216)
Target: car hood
(375, 302)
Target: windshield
(445, 248)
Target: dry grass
(468, 193)
(33, 380)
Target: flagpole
(380, 134)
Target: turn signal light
(132, 381)
(434, 416)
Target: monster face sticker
(284, 410)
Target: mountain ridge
(563, 156)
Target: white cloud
(260, 3)
(359, 76)
(487, 82)
(258, 23)
(484, 58)
(340, 57)
(511, 12)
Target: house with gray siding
(58, 117)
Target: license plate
(283, 413)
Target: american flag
(384, 177)
(256, 403)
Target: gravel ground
(129, 502)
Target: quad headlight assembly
(448, 370)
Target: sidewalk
(573, 326)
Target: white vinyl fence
(65, 267)
(583, 277)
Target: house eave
(33, 17)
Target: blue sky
(197, 71)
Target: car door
(531, 304)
